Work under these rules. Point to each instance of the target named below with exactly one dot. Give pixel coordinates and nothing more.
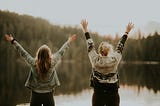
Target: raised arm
(27, 57)
(57, 56)
(120, 45)
(84, 24)
(89, 41)
(90, 44)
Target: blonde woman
(104, 77)
(42, 78)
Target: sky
(103, 16)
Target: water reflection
(142, 75)
(129, 97)
(146, 76)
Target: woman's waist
(101, 80)
(102, 75)
(106, 88)
(42, 90)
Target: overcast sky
(104, 16)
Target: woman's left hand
(129, 27)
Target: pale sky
(104, 16)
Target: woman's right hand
(84, 24)
(9, 38)
(72, 38)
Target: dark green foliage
(74, 69)
(31, 33)
(145, 49)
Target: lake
(139, 85)
(130, 96)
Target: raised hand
(9, 38)
(72, 38)
(129, 27)
(84, 24)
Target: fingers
(10, 35)
(74, 35)
(84, 22)
(72, 38)
(6, 35)
(131, 25)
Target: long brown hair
(43, 60)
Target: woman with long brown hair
(42, 78)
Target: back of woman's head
(105, 48)
(43, 60)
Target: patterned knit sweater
(105, 67)
(34, 82)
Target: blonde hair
(103, 46)
(43, 60)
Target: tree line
(75, 68)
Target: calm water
(140, 86)
(130, 96)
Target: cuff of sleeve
(126, 33)
(125, 36)
(12, 42)
(87, 35)
(68, 43)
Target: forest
(75, 68)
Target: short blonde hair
(103, 46)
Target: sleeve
(58, 55)
(90, 47)
(26, 56)
(120, 46)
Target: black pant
(105, 98)
(37, 99)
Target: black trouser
(105, 94)
(105, 98)
(37, 99)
